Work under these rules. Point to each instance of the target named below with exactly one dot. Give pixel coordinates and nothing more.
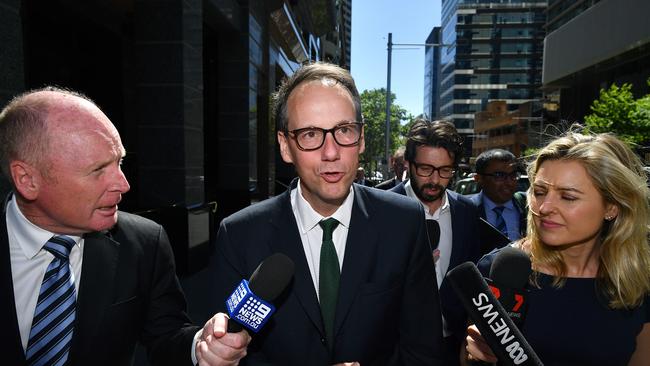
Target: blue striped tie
(54, 316)
(500, 224)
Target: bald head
(32, 120)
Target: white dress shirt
(443, 216)
(28, 264)
(311, 233)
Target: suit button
(322, 340)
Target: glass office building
(493, 51)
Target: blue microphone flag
(248, 309)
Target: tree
(373, 107)
(617, 111)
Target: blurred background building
(431, 104)
(591, 45)
(494, 52)
(187, 84)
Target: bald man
(82, 282)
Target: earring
(608, 218)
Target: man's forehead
(498, 164)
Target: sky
(410, 21)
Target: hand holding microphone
(223, 341)
(250, 304)
(491, 319)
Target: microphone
(509, 274)
(501, 334)
(433, 229)
(250, 304)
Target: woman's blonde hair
(617, 173)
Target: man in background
(433, 151)
(498, 202)
(361, 178)
(398, 167)
(82, 282)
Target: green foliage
(617, 111)
(373, 107)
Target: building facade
(187, 84)
(432, 75)
(336, 44)
(493, 52)
(605, 42)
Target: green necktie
(328, 287)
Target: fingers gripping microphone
(250, 304)
(509, 274)
(504, 338)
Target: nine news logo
(248, 309)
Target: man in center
(364, 285)
(433, 151)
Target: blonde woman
(589, 292)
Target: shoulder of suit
(520, 199)
(125, 219)
(262, 210)
(376, 199)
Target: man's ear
(26, 179)
(284, 148)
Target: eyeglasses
(426, 170)
(502, 176)
(312, 138)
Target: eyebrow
(544, 184)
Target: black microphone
(496, 327)
(509, 275)
(250, 304)
(433, 230)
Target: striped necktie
(500, 223)
(328, 283)
(54, 316)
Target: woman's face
(567, 208)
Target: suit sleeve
(227, 268)
(420, 319)
(167, 332)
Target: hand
(436, 255)
(219, 348)
(477, 349)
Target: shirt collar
(309, 218)
(444, 207)
(30, 238)
(490, 205)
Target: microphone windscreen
(272, 276)
(433, 230)
(511, 268)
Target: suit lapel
(96, 288)
(459, 230)
(287, 240)
(359, 256)
(11, 347)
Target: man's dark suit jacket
(387, 312)
(519, 202)
(465, 245)
(387, 184)
(128, 293)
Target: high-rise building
(432, 75)
(559, 12)
(346, 24)
(336, 43)
(493, 52)
(592, 46)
